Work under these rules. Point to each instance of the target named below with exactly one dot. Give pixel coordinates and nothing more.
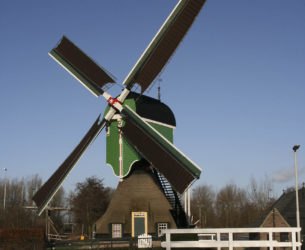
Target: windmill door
(139, 223)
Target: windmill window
(116, 230)
(161, 226)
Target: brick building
(283, 214)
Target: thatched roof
(138, 192)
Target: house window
(284, 237)
(161, 226)
(116, 230)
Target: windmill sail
(81, 66)
(164, 43)
(176, 167)
(161, 153)
(48, 190)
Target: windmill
(147, 141)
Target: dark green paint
(130, 155)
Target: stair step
(173, 199)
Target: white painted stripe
(106, 95)
(150, 44)
(60, 183)
(159, 123)
(123, 95)
(110, 114)
(165, 139)
(117, 117)
(121, 153)
(73, 75)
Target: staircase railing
(173, 198)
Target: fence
(231, 237)
(131, 243)
(54, 237)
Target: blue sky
(236, 85)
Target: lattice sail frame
(144, 72)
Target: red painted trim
(112, 101)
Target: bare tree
(89, 202)
(203, 199)
(17, 212)
(260, 196)
(57, 216)
(230, 205)
(32, 186)
(15, 215)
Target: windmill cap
(150, 108)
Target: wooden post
(293, 240)
(218, 239)
(270, 240)
(168, 240)
(230, 241)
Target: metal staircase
(173, 198)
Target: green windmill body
(143, 196)
(120, 154)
